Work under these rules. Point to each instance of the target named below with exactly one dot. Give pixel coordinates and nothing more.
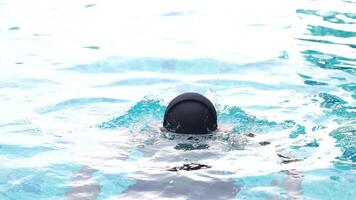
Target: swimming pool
(84, 85)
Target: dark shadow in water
(190, 147)
(189, 167)
(264, 143)
(287, 159)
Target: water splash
(241, 121)
(141, 114)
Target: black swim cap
(190, 113)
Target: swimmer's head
(190, 113)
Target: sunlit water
(84, 85)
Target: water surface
(84, 86)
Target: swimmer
(190, 113)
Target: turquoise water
(84, 85)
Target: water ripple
(176, 66)
(141, 82)
(142, 112)
(326, 31)
(330, 16)
(330, 61)
(79, 102)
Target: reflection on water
(325, 31)
(330, 61)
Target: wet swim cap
(190, 113)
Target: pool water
(84, 86)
